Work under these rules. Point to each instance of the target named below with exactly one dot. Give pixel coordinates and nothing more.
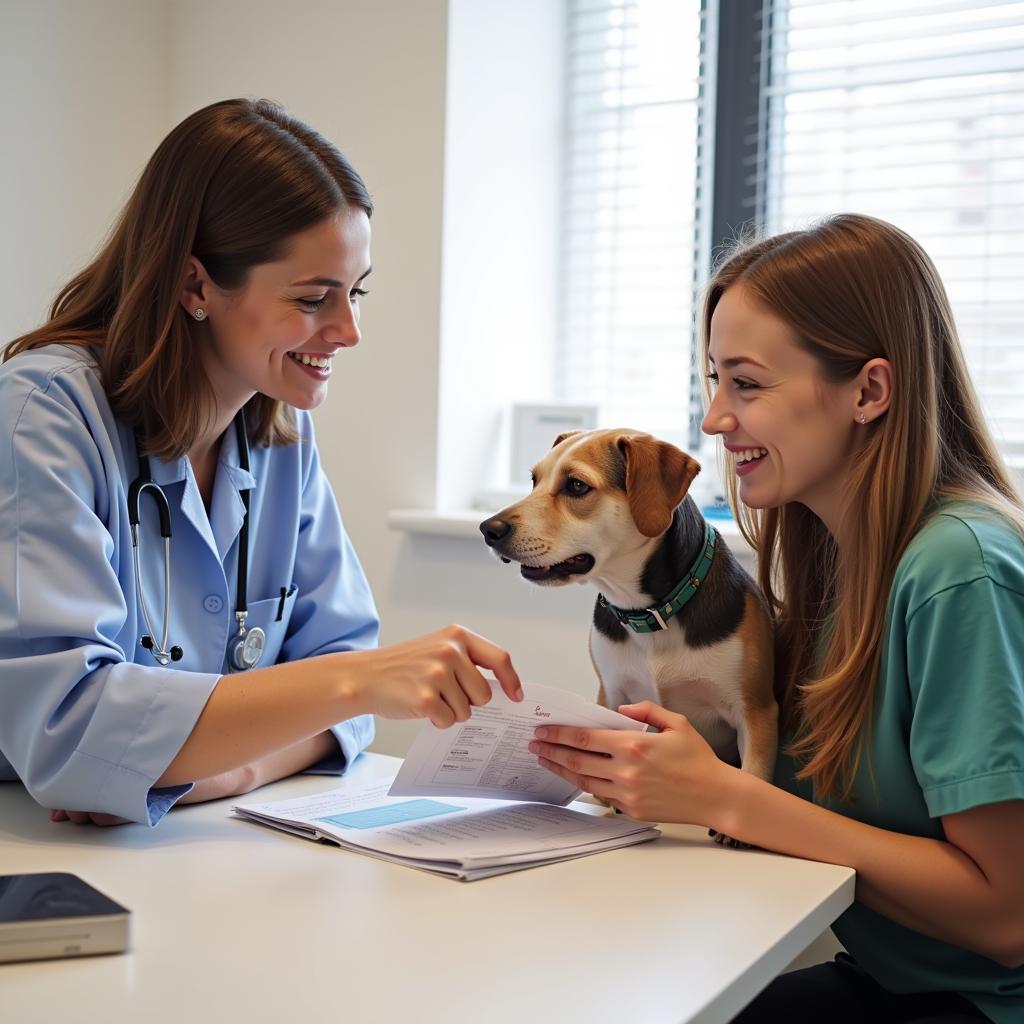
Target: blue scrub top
(88, 719)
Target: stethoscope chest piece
(246, 648)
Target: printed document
(459, 838)
(487, 757)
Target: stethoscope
(246, 647)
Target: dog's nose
(495, 530)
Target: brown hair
(231, 184)
(853, 288)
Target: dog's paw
(723, 840)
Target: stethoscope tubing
(241, 654)
(161, 653)
(241, 602)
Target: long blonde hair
(231, 184)
(853, 288)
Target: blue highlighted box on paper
(391, 814)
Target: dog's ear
(562, 437)
(658, 475)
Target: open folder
(449, 828)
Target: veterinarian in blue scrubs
(182, 615)
(897, 539)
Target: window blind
(913, 111)
(633, 216)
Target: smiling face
(791, 433)
(279, 333)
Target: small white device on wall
(533, 428)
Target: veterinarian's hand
(87, 818)
(668, 776)
(434, 676)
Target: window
(643, 134)
(913, 112)
(633, 218)
(909, 110)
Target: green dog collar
(655, 619)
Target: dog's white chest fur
(703, 685)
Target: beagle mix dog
(677, 620)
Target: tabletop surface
(235, 921)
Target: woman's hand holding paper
(671, 775)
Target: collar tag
(662, 624)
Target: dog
(677, 620)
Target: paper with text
(487, 757)
(465, 838)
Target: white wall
(502, 192)
(84, 90)
(92, 88)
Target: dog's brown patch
(761, 713)
(593, 453)
(658, 476)
(755, 633)
(567, 434)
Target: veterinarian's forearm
(258, 714)
(293, 759)
(278, 765)
(926, 884)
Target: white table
(235, 922)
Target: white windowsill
(461, 523)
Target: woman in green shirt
(891, 550)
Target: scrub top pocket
(272, 616)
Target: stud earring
(200, 314)
(863, 418)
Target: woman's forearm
(291, 760)
(926, 884)
(253, 716)
(278, 765)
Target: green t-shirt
(947, 734)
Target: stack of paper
(465, 839)
(475, 790)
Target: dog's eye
(577, 488)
